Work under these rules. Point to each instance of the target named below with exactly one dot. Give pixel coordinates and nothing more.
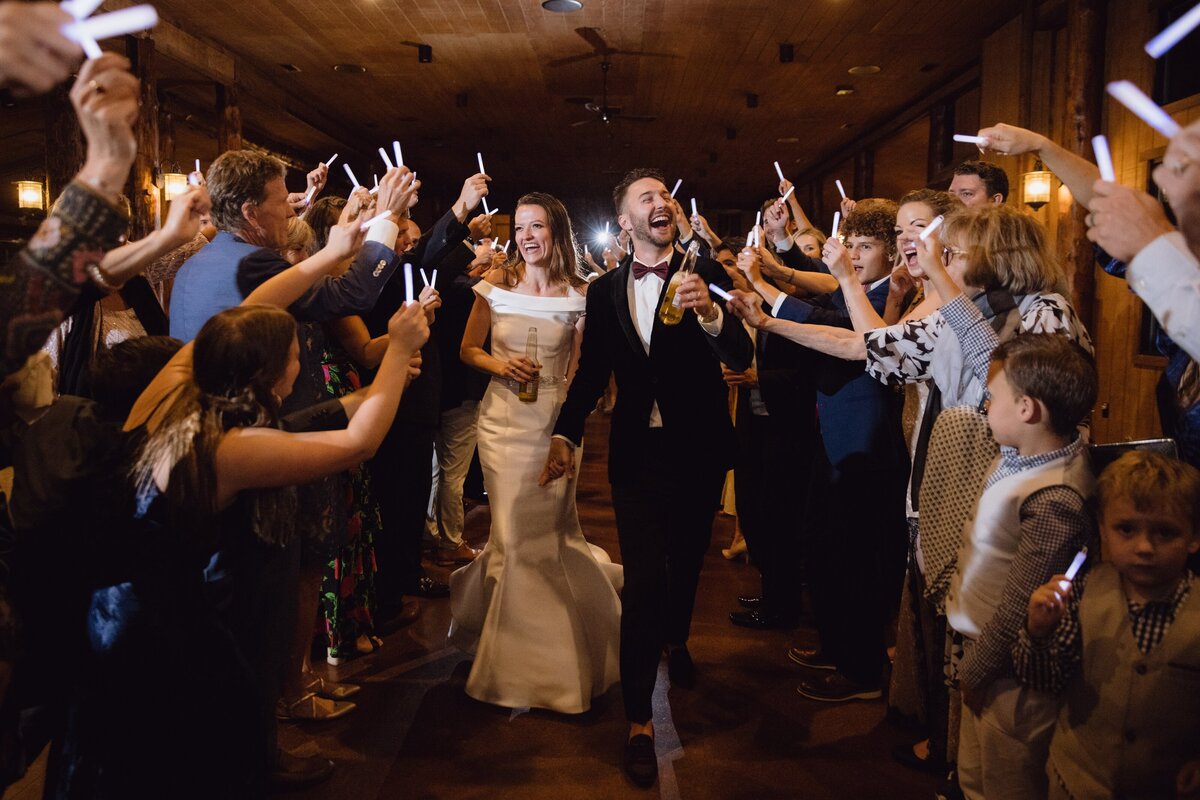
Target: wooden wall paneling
(142, 189)
(1000, 93)
(64, 142)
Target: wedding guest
(978, 183)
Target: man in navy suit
(671, 440)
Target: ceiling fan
(603, 50)
(606, 113)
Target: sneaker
(833, 687)
(810, 657)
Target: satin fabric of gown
(539, 606)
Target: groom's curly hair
(632, 177)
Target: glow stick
(90, 48)
(376, 179)
(695, 213)
(841, 191)
(931, 227)
(387, 162)
(1103, 158)
(374, 190)
(779, 171)
(308, 197)
(398, 154)
(1076, 564)
(479, 157)
(117, 23)
(837, 220)
(1136, 101)
(408, 287)
(758, 220)
(332, 159)
(433, 279)
(194, 181)
(719, 292)
(350, 175)
(678, 183)
(197, 165)
(387, 212)
(424, 277)
(1171, 35)
(791, 189)
(81, 9)
(962, 137)
(505, 248)
(486, 210)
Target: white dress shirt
(1166, 276)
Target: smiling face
(531, 232)
(868, 256)
(648, 213)
(911, 219)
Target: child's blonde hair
(1150, 481)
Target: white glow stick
(117, 23)
(1103, 158)
(397, 153)
(962, 137)
(486, 210)
(332, 159)
(408, 287)
(837, 220)
(841, 191)
(779, 172)
(197, 165)
(505, 248)
(1076, 564)
(1171, 35)
(374, 190)
(387, 212)
(1136, 101)
(376, 179)
(479, 158)
(931, 227)
(309, 195)
(81, 9)
(719, 292)
(695, 213)
(758, 220)
(433, 279)
(90, 48)
(424, 277)
(387, 162)
(678, 183)
(350, 175)
(788, 194)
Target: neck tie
(640, 270)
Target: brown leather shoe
(463, 554)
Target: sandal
(331, 690)
(367, 643)
(312, 708)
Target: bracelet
(93, 272)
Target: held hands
(408, 328)
(693, 293)
(105, 97)
(398, 192)
(1123, 220)
(835, 256)
(1047, 607)
(1009, 140)
(34, 55)
(560, 461)
(748, 306)
(183, 220)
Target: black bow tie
(640, 270)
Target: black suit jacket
(682, 373)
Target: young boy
(1127, 650)
(1028, 524)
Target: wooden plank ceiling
(526, 74)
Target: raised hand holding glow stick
(788, 193)
(695, 213)
(505, 248)
(332, 159)
(308, 196)
(387, 162)
(1103, 158)
(841, 191)
(930, 228)
(424, 277)
(107, 26)
(982, 141)
(779, 172)
(433, 279)
(837, 220)
(350, 175)
(387, 212)
(1136, 101)
(408, 284)
(1076, 564)
(486, 210)
(397, 153)
(1171, 35)
(678, 183)
(719, 292)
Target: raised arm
(1075, 171)
(286, 287)
(837, 342)
(863, 315)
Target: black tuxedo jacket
(682, 373)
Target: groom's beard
(659, 237)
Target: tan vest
(1129, 721)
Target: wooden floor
(743, 732)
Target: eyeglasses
(950, 253)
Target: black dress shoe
(834, 687)
(680, 668)
(641, 762)
(810, 657)
(750, 601)
(762, 620)
(292, 773)
(428, 587)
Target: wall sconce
(173, 184)
(30, 195)
(1036, 186)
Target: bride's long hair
(239, 355)
(564, 256)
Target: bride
(539, 606)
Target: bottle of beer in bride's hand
(529, 390)
(671, 312)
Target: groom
(670, 445)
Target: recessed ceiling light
(353, 69)
(562, 6)
(866, 69)
(843, 90)
(788, 140)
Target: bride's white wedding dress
(539, 606)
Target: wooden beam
(229, 119)
(142, 191)
(64, 141)
(1086, 21)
